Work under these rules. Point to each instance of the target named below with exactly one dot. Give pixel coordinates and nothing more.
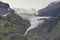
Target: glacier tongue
(30, 16)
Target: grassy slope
(8, 31)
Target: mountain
(50, 29)
(53, 9)
(13, 27)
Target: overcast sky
(28, 4)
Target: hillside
(12, 27)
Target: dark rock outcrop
(4, 5)
(4, 8)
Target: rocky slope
(53, 9)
